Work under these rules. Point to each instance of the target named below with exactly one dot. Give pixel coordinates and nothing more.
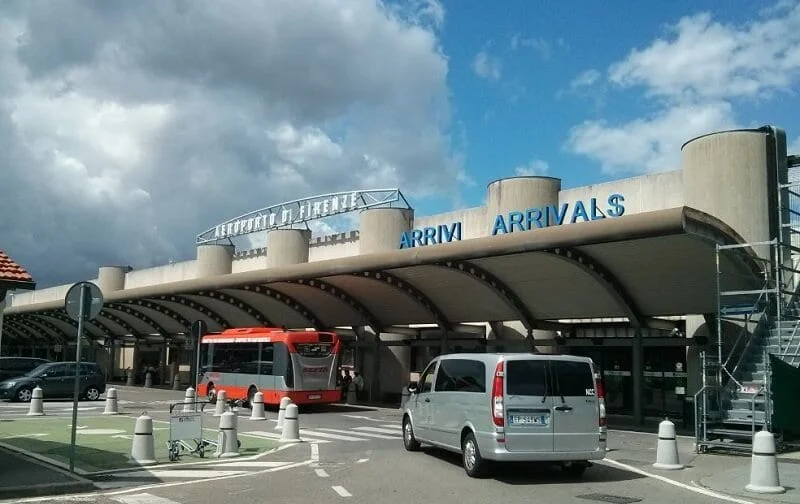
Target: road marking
(394, 427)
(361, 461)
(275, 435)
(321, 473)
(194, 482)
(678, 484)
(339, 437)
(365, 434)
(255, 463)
(315, 452)
(341, 491)
(364, 418)
(177, 473)
(143, 498)
(380, 430)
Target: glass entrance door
(664, 381)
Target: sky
(127, 128)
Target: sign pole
(82, 315)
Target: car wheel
(24, 394)
(409, 441)
(92, 393)
(474, 464)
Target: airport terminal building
(627, 272)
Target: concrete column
(111, 278)
(380, 229)
(637, 375)
(395, 363)
(287, 246)
(213, 260)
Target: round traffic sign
(93, 302)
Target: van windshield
(565, 378)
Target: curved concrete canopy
(637, 266)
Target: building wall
(657, 191)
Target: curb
(78, 486)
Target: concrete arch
(133, 312)
(497, 286)
(198, 307)
(26, 331)
(240, 304)
(11, 331)
(412, 292)
(344, 296)
(90, 324)
(130, 308)
(289, 301)
(605, 278)
(58, 333)
(119, 321)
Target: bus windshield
(314, 349)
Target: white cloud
(705, 59)
(486, 66)
(535, 167)
(794, 147)
(585, 79)
(694, 74)
(539, 45)
(120, 138)
(649, 144)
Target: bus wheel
(211, 394)
(250, 395)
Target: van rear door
(575, 411)
(528, 406)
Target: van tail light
(601, 398)
(497, 396)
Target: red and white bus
(301, 365)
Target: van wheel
(409, 441)
(474, 463)
(575, 469)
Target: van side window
(461, 375)
(426, 380)
(572, 379)
(527, 377)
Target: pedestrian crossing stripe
(366, 434)
(380, 430)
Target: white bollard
(112, 408)
(285, 401)
(257, 407)
(667, 451)
(37, 403)
(176, 382)
(228, 438)
(222, 401)
(764, 477)
(143, 448)
(148, 379)
(351, 395)
(188, 401)
(291, 425)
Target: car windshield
(37, 370)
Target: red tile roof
(10, 271)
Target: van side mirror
(412, 387)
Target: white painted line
(393, 427)
(623, 431)
(143, 498)
(678, 484)
(315, 452)
(365, 434)
(177, 473)
(341, 491)
(275, 435)
(379, 430)
(256, 464)
(361, 461)
(194, 482)
(321, 473)
(338, 437)
(364, 418)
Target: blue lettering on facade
(551, 215)
(431, 235)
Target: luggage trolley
(186, 427)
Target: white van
(509, 408)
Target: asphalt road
(356, 454)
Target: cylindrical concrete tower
(287, 246)
(380, 229)
(213, 260)
(111, 278)
(726, 174)
(517, 194)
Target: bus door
(266, 378)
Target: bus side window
(282, 364)
(265, 356)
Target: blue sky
(514, 74)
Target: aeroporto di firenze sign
(291, 213)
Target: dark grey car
(57, 380)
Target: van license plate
(542, 420)
(314, 396)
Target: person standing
(358, 383)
